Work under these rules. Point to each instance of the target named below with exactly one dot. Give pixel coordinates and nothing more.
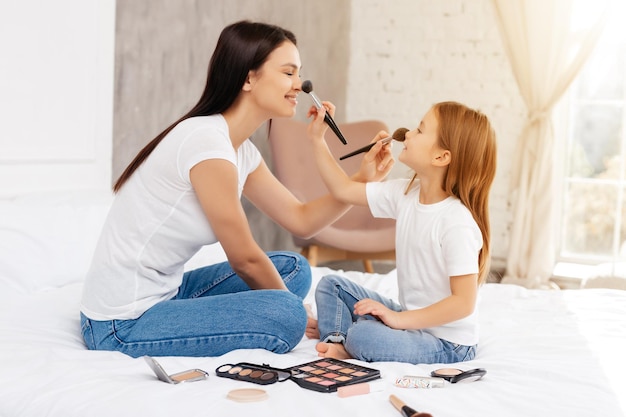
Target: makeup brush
(404, 409)
(307, 87)
(397, 135)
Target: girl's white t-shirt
(156, 223)
(433, 243)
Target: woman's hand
(318, 127)
(370, 307)
(342, 188)
(377, 162)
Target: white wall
(410, 54)
(56, 94)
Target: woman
(182, 191)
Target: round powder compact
(246, 395)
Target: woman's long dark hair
(242, 47)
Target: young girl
(182, 191)
(442, 245)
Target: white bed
(547, 353)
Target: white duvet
(547, 353)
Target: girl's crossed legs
(344, 335)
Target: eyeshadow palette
(249, 372)
(326, 375)
(322, 375)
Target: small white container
(409, 381)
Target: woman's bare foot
(312, 331)
(332, 350)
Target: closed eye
(290, 70)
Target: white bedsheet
(547, 353)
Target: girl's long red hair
(471, 140)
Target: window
(593, 229)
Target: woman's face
(421, 144)
(275, 86)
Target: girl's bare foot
(332, 350)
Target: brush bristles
(399, 133)
(307, 86)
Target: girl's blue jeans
(367, 338)
(213, 313)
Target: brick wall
(408, 54)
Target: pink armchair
(356, 235)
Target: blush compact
(177, 378)
(454, 375)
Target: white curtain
(547, 46)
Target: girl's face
(421, 146)
(275, 86)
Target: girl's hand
(317, 128)
(377, 162)
(374, 308)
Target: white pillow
(47, 240)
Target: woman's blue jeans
(213, 313)
(367, 338)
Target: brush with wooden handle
(404, 409)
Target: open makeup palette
(322, 375)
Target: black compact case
(322, 375)
(257, 374)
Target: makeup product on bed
(327, 375)
(454, 375)
(398, 135)
(247, 395)
(322, 375)
(360, 389)
(404, 409)
(408, 381)
(248, 372)
(184, 376)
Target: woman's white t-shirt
(433, 243)
(156, 223)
